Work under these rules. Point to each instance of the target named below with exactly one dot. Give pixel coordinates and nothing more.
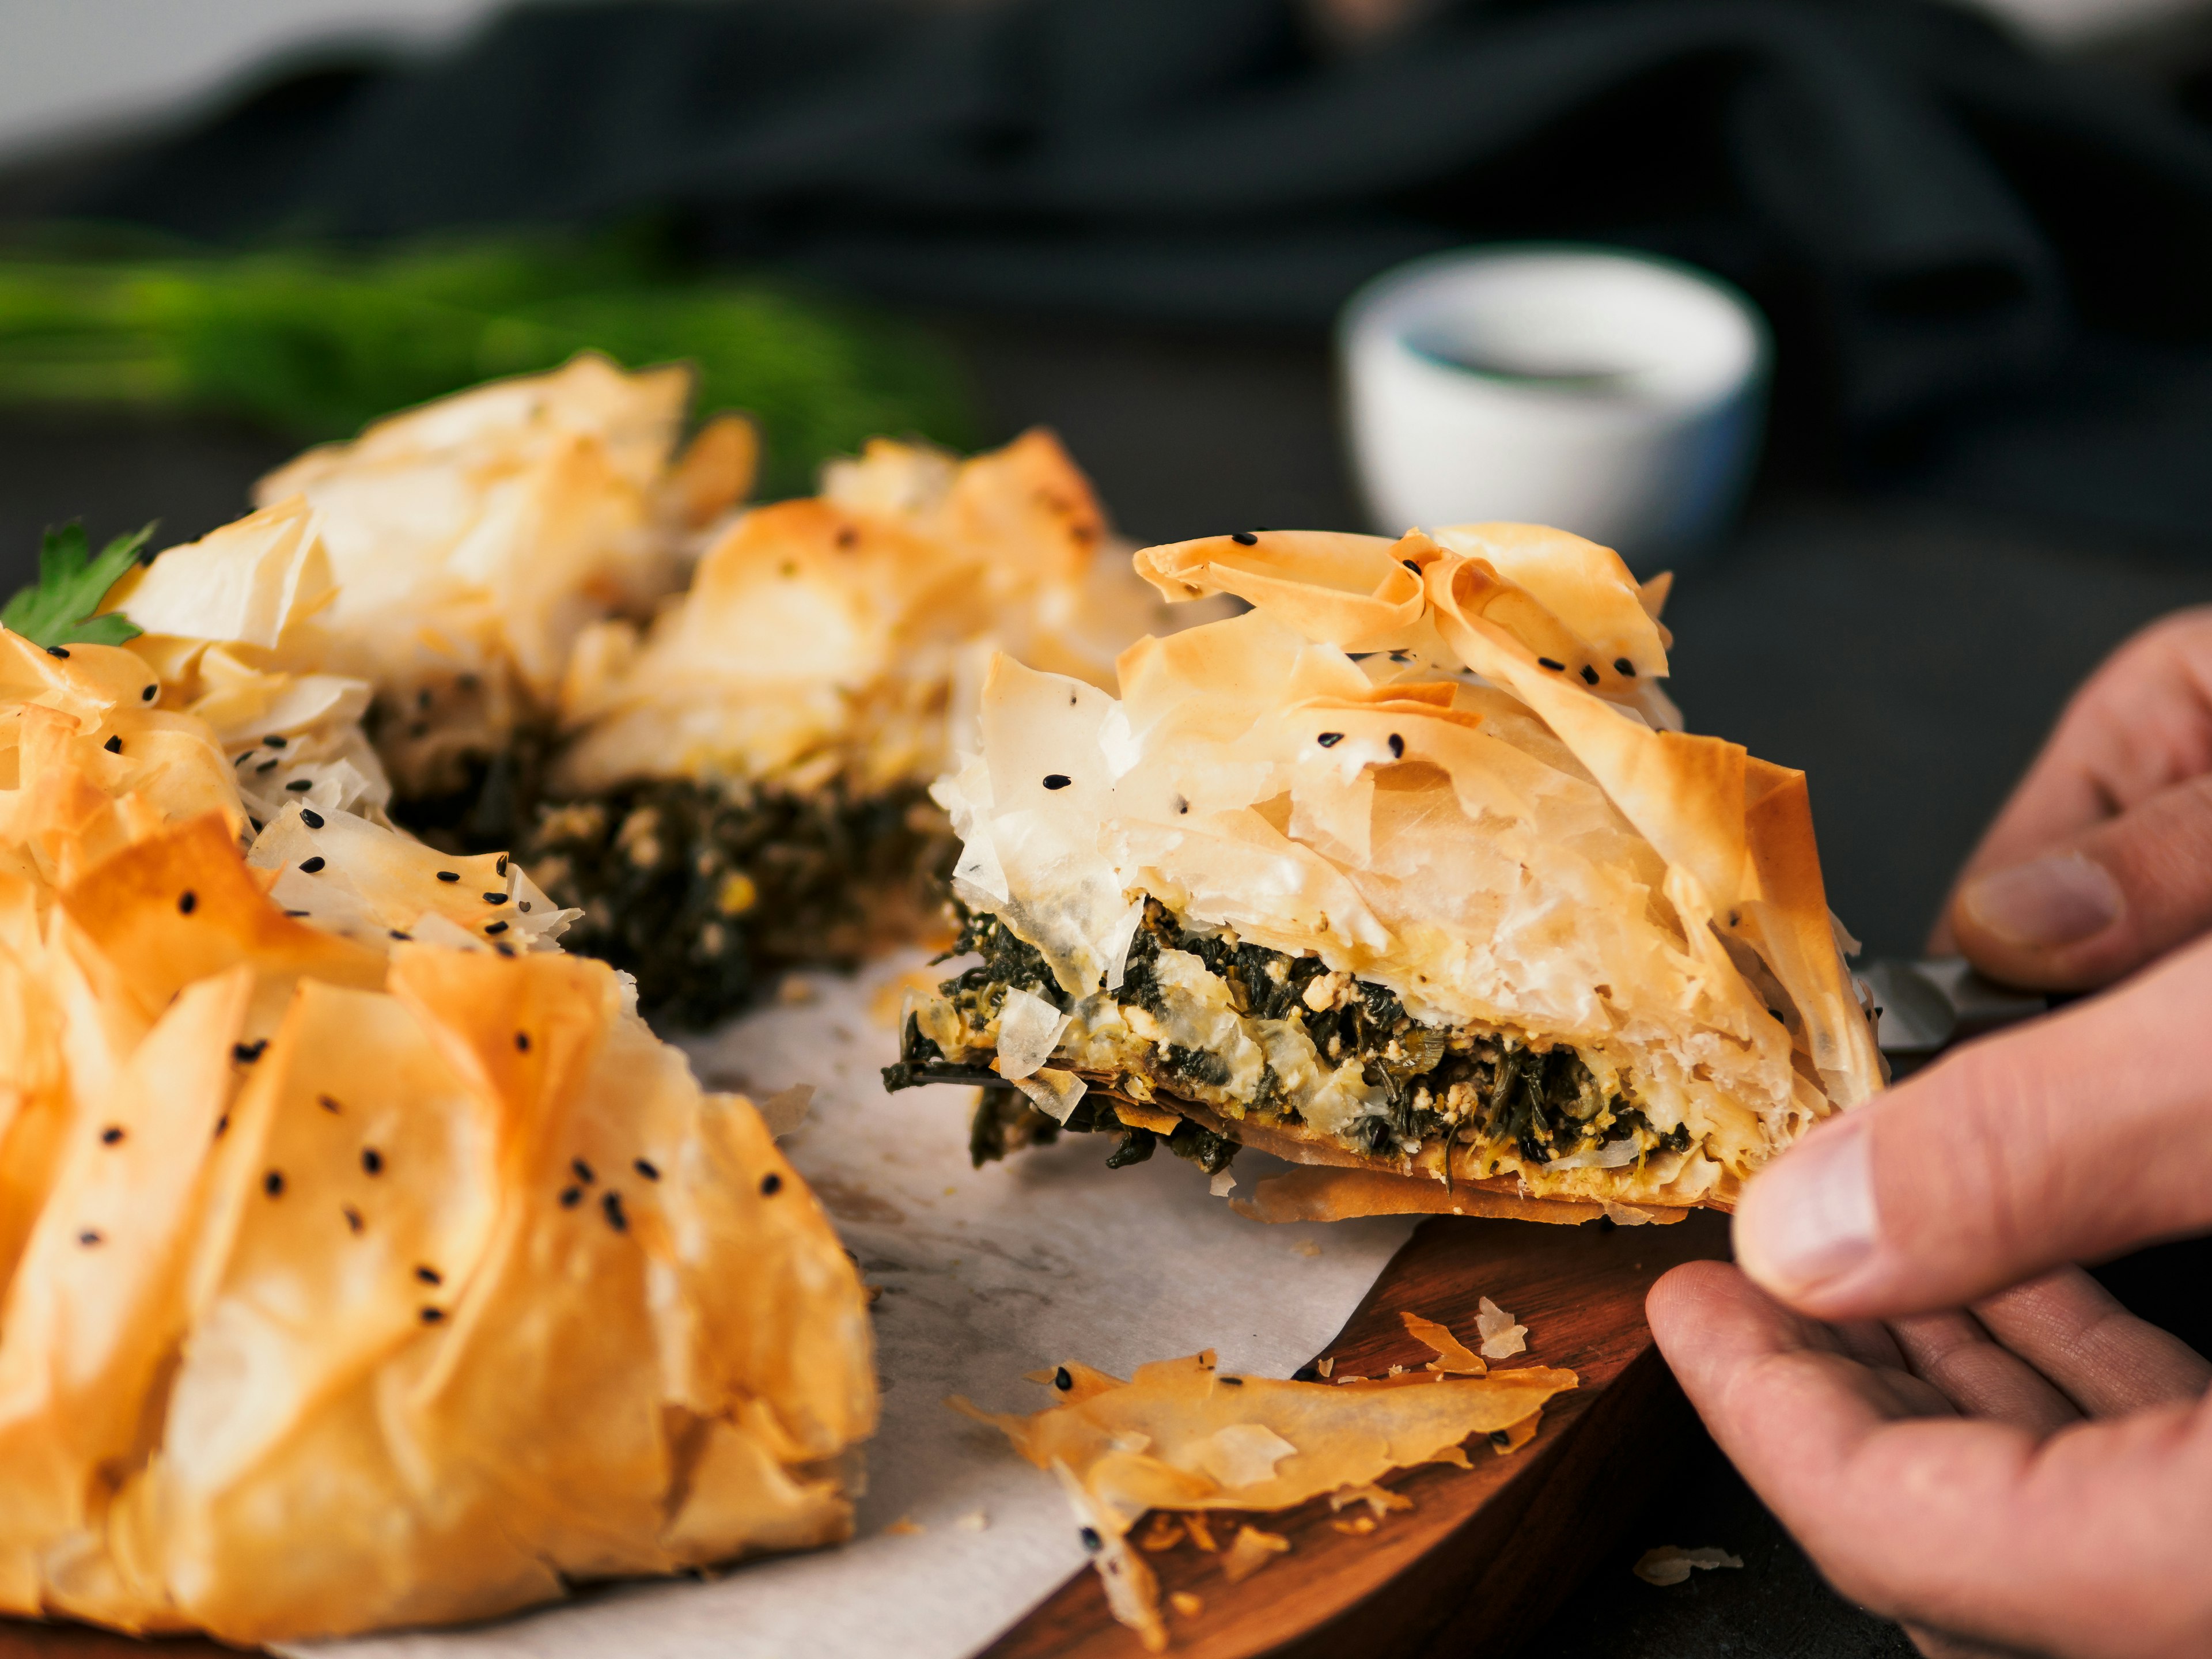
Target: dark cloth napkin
(1989, 274)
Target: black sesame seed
(1057, 780)
(503, 947)
(300, 786)
(1622, 665)
(1091, 1540)
(496, 927)
(57, 651)
(1329, 740)
(1500, 1438)
(1556, 667)
(372, 1161)
(329, 1104)
(430, 1275)
(1397, 747)
(522, 1043)
(112, 1135)
(1244, 538)
(645, 1167)
(187, 902)
(1234, 1381)
(495, 898)
(501, 867)
(265, 767)
(771, 1184)
(1307, 1372)
(524, 905)
(1181, 806)
(449, 875)
(402, 937)
(274, 741)
(114, 745)
(583, 1170)
(1411, 566)
(352, 1218)
(149, 693)
(247, 1052)
(611, 1204)
(1590, 675)
(89, 1238)
(273, 1183)
(221, 1126)
(296, 915)
(1062, 1380)
(309, 866)
(571, 1197)
(311, 818)
(433, 1316)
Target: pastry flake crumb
(1252, 1550)
(1670, 1563)
(1452, 1356)
(786, 1108)
(1501, 1338)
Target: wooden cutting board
(1486, 1553)
(1482, 1557)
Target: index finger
(2142, 723)
(2071, 1139)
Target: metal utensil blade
(1925, 1005)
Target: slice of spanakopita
(1409, 871)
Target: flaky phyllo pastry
(744, 786)
(1409, 871)
(470, 542)
(364, 1259)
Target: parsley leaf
(59, 609)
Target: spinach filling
(1435, 1083)
(707, 892)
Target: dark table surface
(1910, 657)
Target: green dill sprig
(60, 608)
(314, 343)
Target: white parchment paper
(985, 1274)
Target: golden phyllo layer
(364, 1259)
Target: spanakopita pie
(743, 786)
(469, 541)
(364, 1259)
(1410, 875)
(711, 732)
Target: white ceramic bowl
(1612, 394)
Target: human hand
(2033, 1473)
(2102, 858)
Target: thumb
(2069, 1139)
(2098, 904)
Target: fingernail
(1811, 1217)
(2045, 902)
